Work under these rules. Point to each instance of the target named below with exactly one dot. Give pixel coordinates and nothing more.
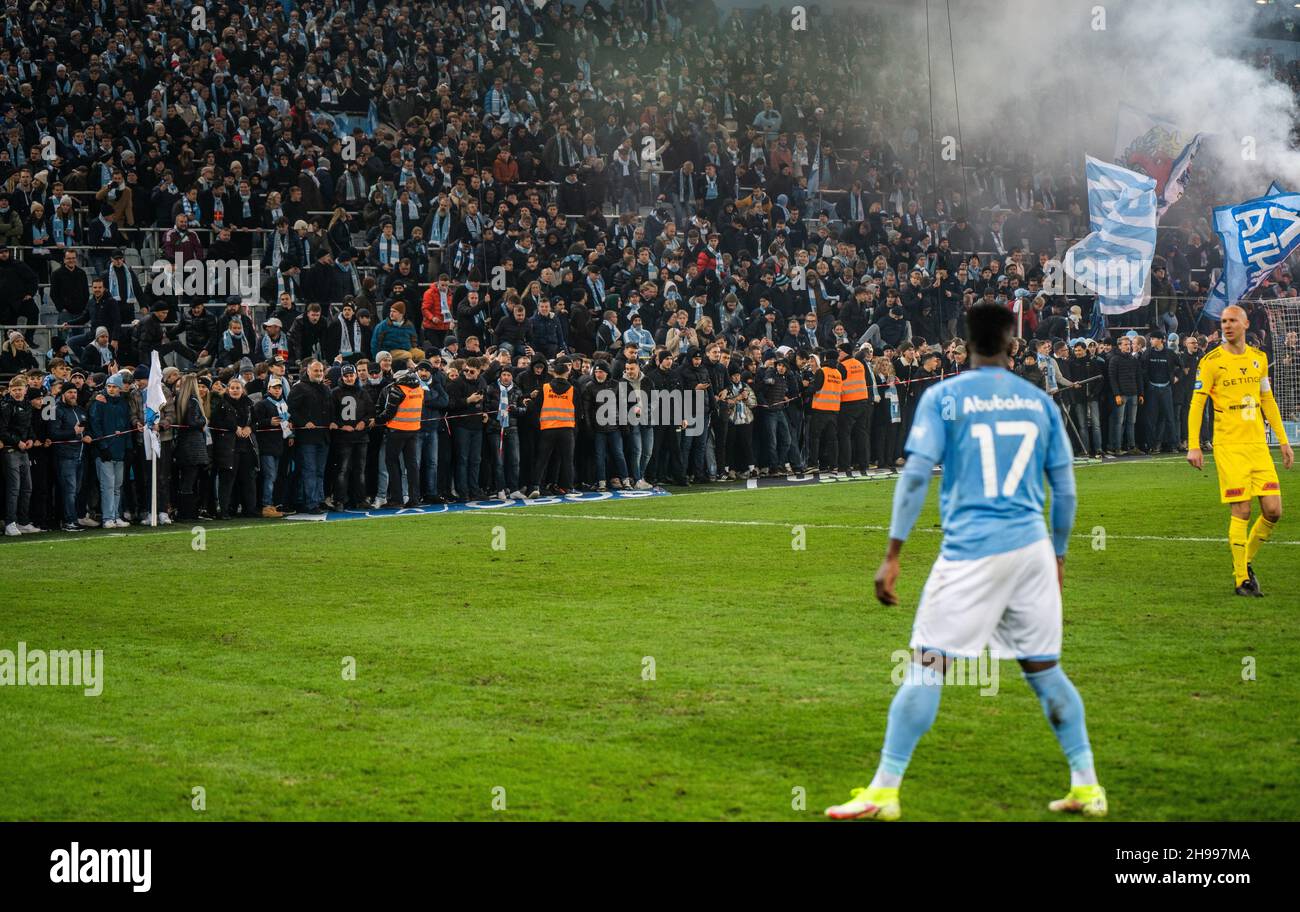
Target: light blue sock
(911, 714)
(1064, 709)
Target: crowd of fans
(426, 201)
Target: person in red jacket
(707, 258)
(436, 313)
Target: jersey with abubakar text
(996, 435)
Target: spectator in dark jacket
(18, 287)
(68, 288)
(545, 332)
(1085, 400)
(307, 338)
(15, 356)
(354, 416)
(196, 330)
(234, 450)
(512, 329)
(505, 406)
(431, 412)
(16, 440)
(69, 432)
(274, 436)
(1125, 374)
(191, 448)
(312, 410)
(466, 413)
(598, 397)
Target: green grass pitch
(487, 677)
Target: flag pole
(153, 500)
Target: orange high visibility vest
(855, 384)
(827, 399)
(409, 412)
(557, 408)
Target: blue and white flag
(153, 406)
(1257, 237)
(1114, 260)
(815, 173)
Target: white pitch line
(737, 489)
(835, 526)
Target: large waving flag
(1217, 299)
(153, 406)
(1114, 260)
(1257, 236)
(1157, 148)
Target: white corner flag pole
(153, 401)
(153, 499)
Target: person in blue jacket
(110, 422)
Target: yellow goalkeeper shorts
(1245, 472)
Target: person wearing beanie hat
(1160, 370)
(15, 356)
(109, 425)
(1085, 371)
(400, 410)
(431, 427)
(738, 404)
(353, 416)
(69, 430)
(557, 421)
(607, 437)
(824, 388)
(853, 423)
(505, 408)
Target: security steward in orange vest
(400, 412)
(854, 422)
(823, 416)
(556, 423)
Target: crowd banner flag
(1114, 260)
(1217, 299)
(1157, 148)
(1257, 237)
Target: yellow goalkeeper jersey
(1238, 386)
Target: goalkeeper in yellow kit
(1234, 377)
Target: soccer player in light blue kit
(997, 581)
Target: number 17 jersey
(995, 434)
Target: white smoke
(1049, 75)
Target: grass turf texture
(523, 668)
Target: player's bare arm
(887, 575)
